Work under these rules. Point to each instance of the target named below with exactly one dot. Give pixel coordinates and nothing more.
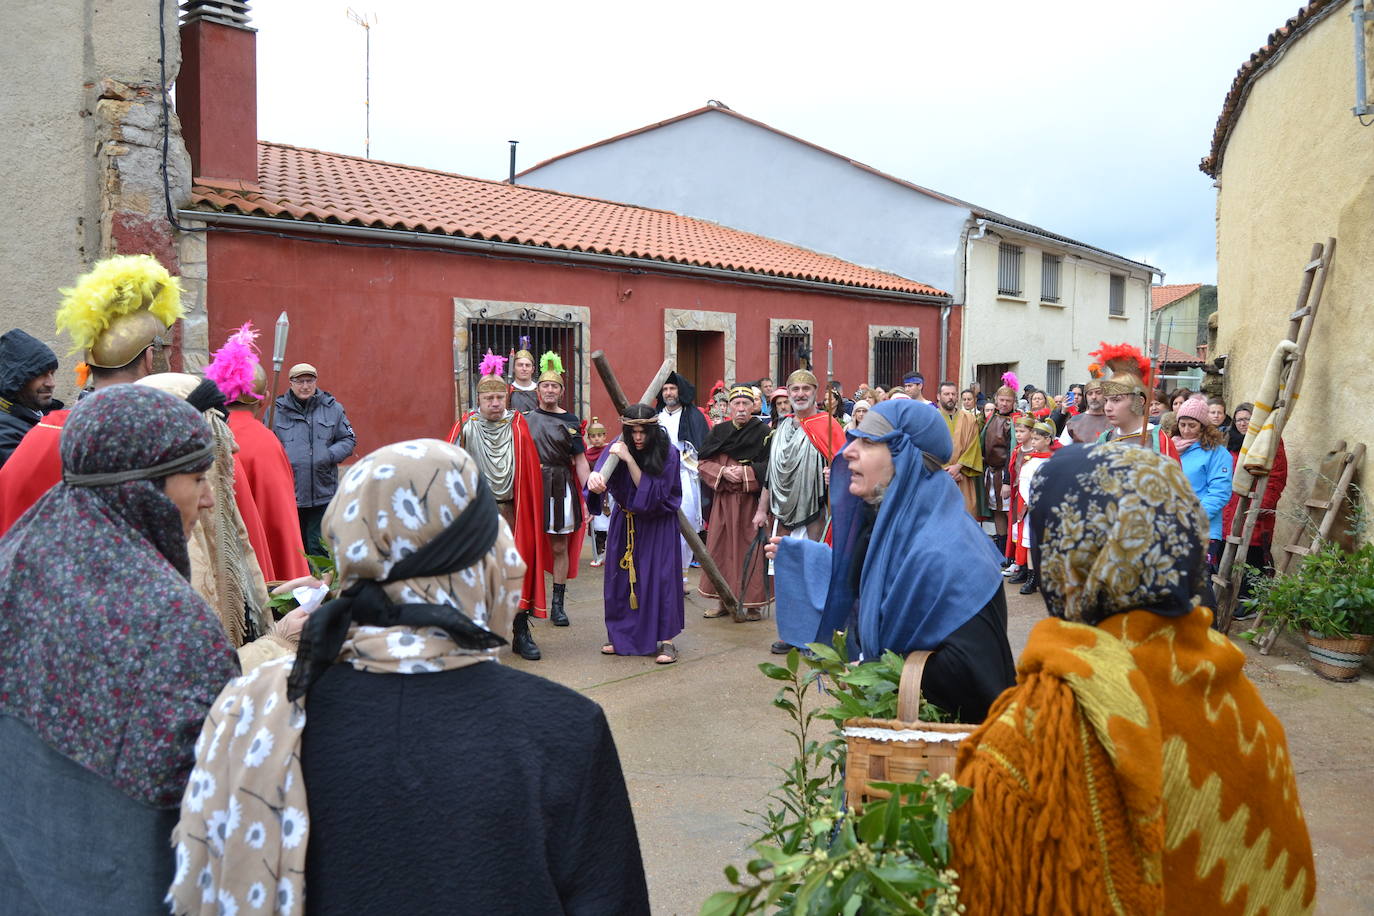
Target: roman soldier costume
(506, 457)
(124, 305)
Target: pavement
(699, 739)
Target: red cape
(530, 538)
(826, 433)
(265, 491)
(32, 470)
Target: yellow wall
(1297, 169)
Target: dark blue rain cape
(929, 566)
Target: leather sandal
(667, 654)
(608, 649)
(715, 612)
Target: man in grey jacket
(316, 434)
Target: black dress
(966, 672)
(480, 790)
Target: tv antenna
(367, 21)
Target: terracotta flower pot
(1338, 659)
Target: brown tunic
(732, 529)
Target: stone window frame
(774, 326)
(675, 320)
(878, 330)
(497, 309)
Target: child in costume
(1019, 570)
(599, 505)
(1039, 446)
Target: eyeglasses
(303, 380)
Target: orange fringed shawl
(1133, 769)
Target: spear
(278, 357)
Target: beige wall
(63, 145)
(1297, 169)
(1178, 322)
(1029, 333)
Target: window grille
(895, 353)
(1009, 269)
(502, 336)
(1054, 377)
(794, 352)
(1050, 265)
(1117, 295)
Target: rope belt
(627, 562)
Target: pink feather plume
(1011, 381)
(491, 364)
(231, 367)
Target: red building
(397, 278)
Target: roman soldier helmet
(550, 368)
(1043, 427)
(491, 380)
(237, 368)
(1024, 419)
(124, 305)
(1010, 385)
(1130, 369)
(524, 351)
(596, 426)
(803, 377)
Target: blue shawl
(929, 567)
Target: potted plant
(1330, 600)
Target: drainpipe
(1361, 99)
(972, 233)
(944, 341)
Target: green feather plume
(550, 362)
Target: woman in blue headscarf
(910, 569)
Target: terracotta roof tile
(1306, 17)
(1166, 293)
(1174, 357)
(307, 184)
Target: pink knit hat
(1195, 408)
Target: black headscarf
(692, 427)
(654, 455)
(1116, 528)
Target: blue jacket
(1209, 471)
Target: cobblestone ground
(698, 741)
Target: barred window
(1050, 265)
(1117, 295)
(1054, 377)
(794, 351)
(896, 353)
(1009, 269)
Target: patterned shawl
(1116, 530)
(105, 650)
(241, 841)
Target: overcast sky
(1083, 117)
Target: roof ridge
(298, 183)
(487, 181)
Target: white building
(1025, 299)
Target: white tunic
(691, 481)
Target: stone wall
(84, 177)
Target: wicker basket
(899, 750)
(1338, 659)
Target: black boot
(1032, 584)
(1022, 575)
(1000, 540)
(522, 642)
(557, 615)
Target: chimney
(217, 89)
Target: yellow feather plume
(117, 286)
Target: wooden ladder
(1330, 490)
(1230, 574)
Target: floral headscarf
(1118, 529)
(241, 841)
(105, 650)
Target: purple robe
(657, 560)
